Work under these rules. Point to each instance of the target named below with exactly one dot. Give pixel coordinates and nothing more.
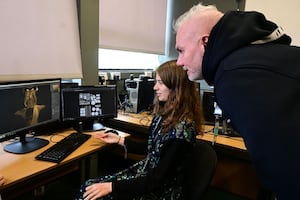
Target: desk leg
(93, 166)
(89, 167)
(83, 170)
(236, 176)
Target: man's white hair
(193, 11)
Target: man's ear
(205, 39)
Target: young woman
(177, 119)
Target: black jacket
(171, 151)
(257, 86)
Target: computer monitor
(27, 106)
(121, 90)
(68, 84)
(211, 110)
(87, 106)
(140, 94)
(208, 103)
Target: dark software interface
(26, 106)
(86, 106)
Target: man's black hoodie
(256, 77)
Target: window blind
(133, 25)
(39, 39)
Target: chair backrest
(199, 172)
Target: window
(116, 59)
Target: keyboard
(60, 150)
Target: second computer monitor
(87, 106)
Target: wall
(283, 13)
(89, 36)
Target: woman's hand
(2, 180)
(97, 190)
(110, 138)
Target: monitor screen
(208, 103)
(88, 105)
(121, 90)
(26, 106)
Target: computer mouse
(111, 131)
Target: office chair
(200, 170)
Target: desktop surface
(144, 119)
(21, 167)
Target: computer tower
(140, 94)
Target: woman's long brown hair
(184, 100)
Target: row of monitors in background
(134, 94)
(138, 94)
(38, 105)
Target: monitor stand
(89, 126)
(25, 145)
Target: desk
(23, 173)
(234, 172)
(139, 123)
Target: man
(256, 78)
